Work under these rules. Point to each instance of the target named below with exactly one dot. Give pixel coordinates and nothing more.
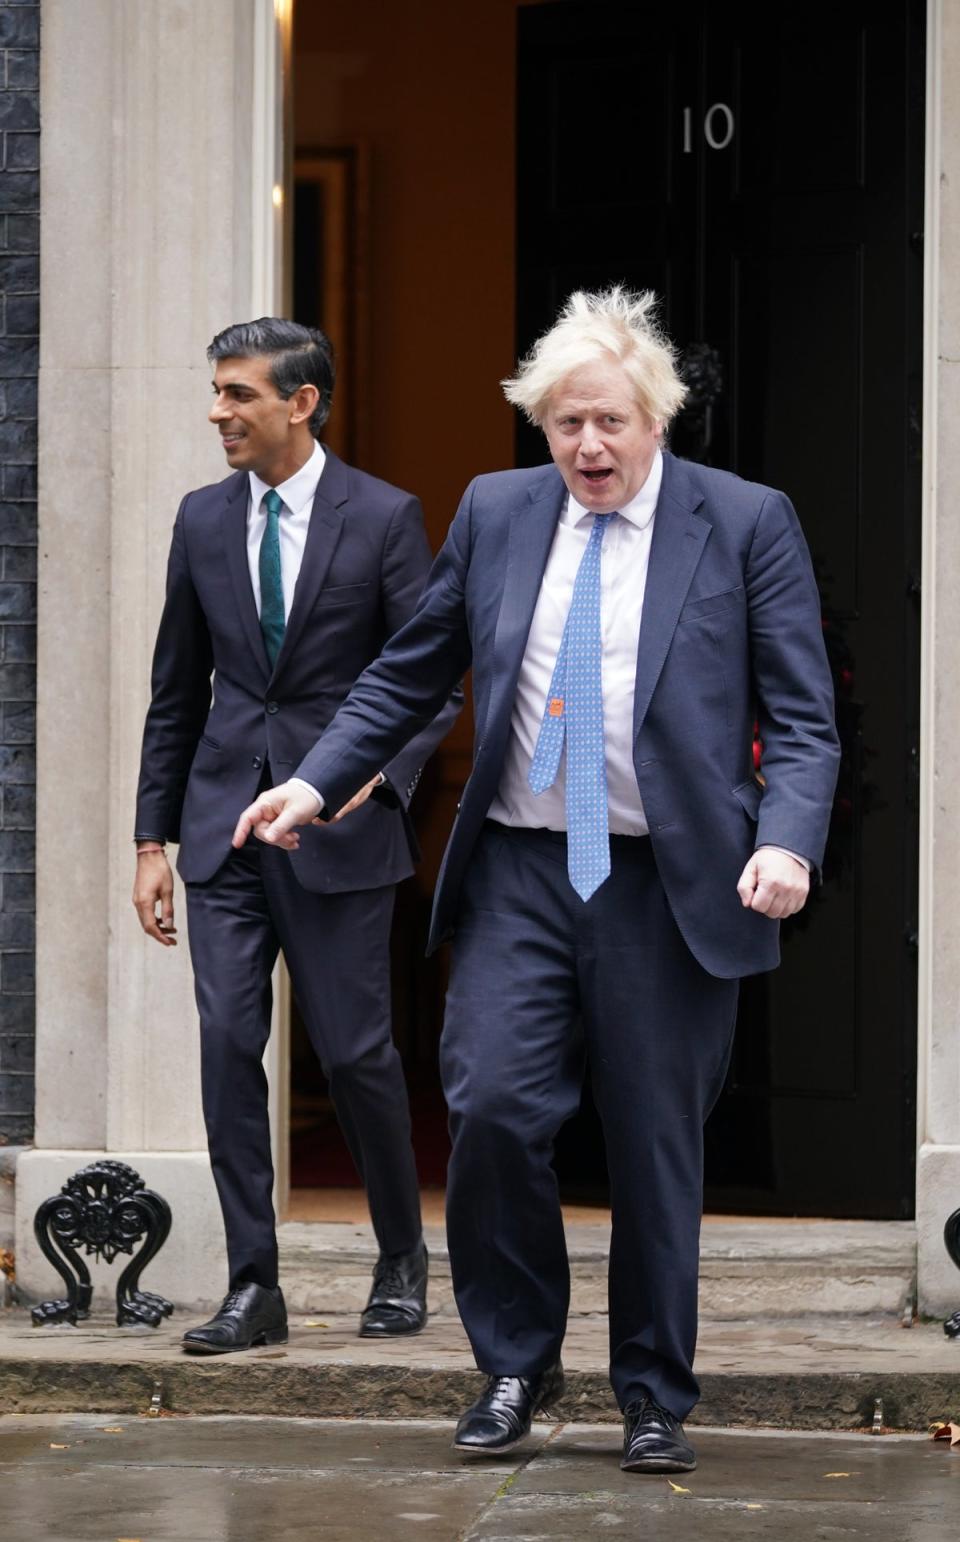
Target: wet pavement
(84, 1478)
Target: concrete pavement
(87, 1479)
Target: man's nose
(219, 410)
(591, 442)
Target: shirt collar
(297, 491)
(639, 511)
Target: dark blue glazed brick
(19, 642)
(18, 524)
(23, 314)
(17, 973)
(18, 356)
(21, 398)
(19, 190)
(16, 1095)
(17, 929)
(23, 69)
(23, 152)
(19, 720)
(17, 1052)
(23, 235)
(18, 436)
(19, 109)
(18, 682)
(19, 808)
(18, 891)
(19, 26)
(20, 482)
(20, 562)
(18, 763)
(18, 602)
(17, 1014)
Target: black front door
(761, 168)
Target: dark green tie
(272, 617)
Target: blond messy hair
(615, 323)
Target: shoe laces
(231, 1300)
(389, 1279)
(645, 1409)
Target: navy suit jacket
(731, 632)
(206, 740)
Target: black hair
(298, 356)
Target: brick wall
(19, 348)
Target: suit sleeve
(801, 752)
(395, 702)
(180, 698)
(406, 565)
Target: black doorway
(761, 168)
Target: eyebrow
(234, 385)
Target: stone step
(809, 1373)
(748, 1269)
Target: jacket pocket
(749, 795)
(342, 594)
(711, 604)
(210, 744)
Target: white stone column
(162, 131)
(938, 1164)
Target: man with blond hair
(615, 866)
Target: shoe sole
(392, 1333)
(655, 1464)
(263, 1341)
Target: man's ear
(304, 401)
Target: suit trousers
(336, 948)
(540, 980)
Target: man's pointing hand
(275, 813)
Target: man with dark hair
(284, 582)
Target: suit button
(273, 706)
(257, 762)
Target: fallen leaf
(111, 1429)
(54, 1447)
(949, 1432)
(841, 1475)
(677, 1488)
(313, 1322)
(753, 1507)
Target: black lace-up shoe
(653, 1440)
(398, 1300)
(250, 1315)
(501, 1416)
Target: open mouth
(599, 476)
(230, 440)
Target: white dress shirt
(625, 556)
(298, 493)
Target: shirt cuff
(297, 781)
(804, 861)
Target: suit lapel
(323, 533)
(532, 527)
(679, 536)
(234, 527)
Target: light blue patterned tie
(574, 710)
(273, 620)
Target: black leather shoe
(398, 1299)
(250, 1315)
(500, 1418)
(653, 1440)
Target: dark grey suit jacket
(731, 633)
(218, 712)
